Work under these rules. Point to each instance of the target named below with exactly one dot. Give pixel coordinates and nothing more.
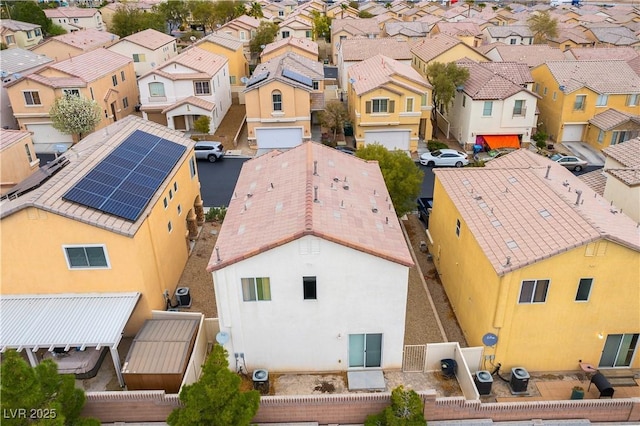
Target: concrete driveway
(586, 152)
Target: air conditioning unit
(483, 381)
(519, 380)
(261, 381)
(183, 297)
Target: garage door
(572, 132)
(288, 137)
(398, 139)
(45, 138)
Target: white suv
(211, 151)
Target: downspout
(160, 277)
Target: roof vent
(315, 194)
(315, 168)
(579, 194)
(218, 254)
(546, 176)
(374, 209)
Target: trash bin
(483, 381)
(577, 392)
(449, 367)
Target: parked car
(208, 150)
(490, 155)
(346, 150)
(425, 204)
(569, 161)
(444, 157)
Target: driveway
(585, 151)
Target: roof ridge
(309, 200)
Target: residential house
(103, 221)
(18, 159)
(341, 10)
(72, 44)
(389, 104)
(609, 35)
(301, 46)
(296, 25)
(573, 92)
(532, 55)
(611, 127)
(193, 84)
(283, 97)
(469, 33)
(442, 48)
(510, 34)
(502, 237)
(584, 54)
(307, 236)
(623, 181)
(353, 51)
(342, 29)
(100, 75)
(244, 28)
(110, 9)
(495, 107)
(14, 64)
(19, 34)
(76, 18)
(569, 38)
(148, 49)
(274, 12)
(233, 49)
(407, 31)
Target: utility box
(183, 296)
(483, 381)
(519, 380)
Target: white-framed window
(114, 80)
(602, 100)
(600, 136)
(308, 34)
(28, 150)
(71, 92)
(156, 89)
(632, 100)
(584, 289)
(409, 105)
(90, 256)
(202, 87)
(537, 88)
(139, 57)
(533, 291)
(171, 194)
(232, 79)
(169, 227)
(276, 100)
(487, 109)
(122, 75)
(380, 106)
(316, 85)
(29, 34)
(555, 95)
(175, 186)
(580, 102)
(309, 289)
(285, 34)
(281, 13)
(458, 225)
(165, 202)
(512, 41)
(464, 101)
(243, 35)
(31, 97)
(544, 91)
(179, 208)
(519, 108)
(125, 102)
(256, 289)
(192, 167)
(10, 39)
(424, 99)
(91, 92)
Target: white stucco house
(192, 84)
(310, 269)
(496, 106)
(76, 18)
(148, 48)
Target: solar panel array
(257, 78)
(124, 182)
(302, 79)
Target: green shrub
(432, 145)
(216, 214)
(201, 124)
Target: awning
(502, 141)
(48, 321)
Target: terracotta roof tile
(532, 55)
(87, 39)
(487, 81)
(14, 25)
(71, 12)
(584, 53)
(435, 46)
(459, 28)
(612, 118)
(18, 60)
(356, 26)
(92, 65)
(282, 196)
(223, 39)
(596, 180)
(627, 153)
(381, 71)
(204, 64)
(408, 29)
(10, 137)
(359, 49)
(150, 38)
(301, 43)
(192, 100)
(503, 31)
(604, 76)
(630, 177)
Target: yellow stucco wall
(288, 48)
(550, 336)
(149, 262)
(593, 137)
(458, 51)
(238, 64)
(15, 164)
(21, 39)
(57, 50)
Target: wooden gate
(414, 358)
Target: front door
(365, 350)
(619, 350)
(113, 111)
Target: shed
(159, 355)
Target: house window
(537, 88)
(114, 80)
(165, 203)
(285, 34)
(29, 35)
(519, 109)
(86, 257)
(584, 289)
(544, 91)
(32, 98)
(75, 20)
(156, 89)
(175, 186)
(602, 100)
(179, 209)
(29, 156)
(409, 106)
(192, 167)
(91, 92)
(10, 39)
(71, 92)
(125, 102)
(512, 41)
(619, 350)
(139, 57)
(316, 85)
(580, 102)
(487, 109)
(623, 136)
(458, 227)
(254, 289)
(377, 106)
(281, 13)
(600, 136)
(169, 227)
(632, 100)
(534, 291)
(202, 87)
(309, 288)
(171, 194)
(232, 79)
(243, 35)
(122, 75)
(308, 34)
(464, 101)
(423, 101)
(276, 99)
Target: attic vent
(544, 213)
(512, 244)
(512, 180)
(278, 206)
(496, 223)
(284, 164)
(241, 230)
(466, 182)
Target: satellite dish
(352, 80)
(489, 339)
(561, 88)
(4, 74)
(17, 76)
(245, 80)
(60, 148)
(192, 38)
(153, 64)
(222, 337)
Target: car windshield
(556, 157)
(436, 153)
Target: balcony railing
(519, 112)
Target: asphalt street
(217, 180)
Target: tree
(40, 389)
(445, 79)
(174, 12)
(321, 25)
(129, 20)
(215, 399)
(401, 175)
(55, 30)
(363, 14)
(75, 115)
(203, 12)
(354, 4)
(201, 124)
(543, 26)
(406, 409)
(334, 116)
(469, 4)
(29, 11)
(255, 10)
(265, 34)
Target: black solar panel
(257, 78)
(302, 79)
(123, 183)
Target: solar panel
(302, 79)
(257, 78)
(124, 182)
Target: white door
(390, 139)
(572, 132)
(287, 137)
(45, 138)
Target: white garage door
(398, 139)
(572, 132)
(45, 138)
(288, 137)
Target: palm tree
(543, 27)
(469, 3)
(344, 7)
(255, 10)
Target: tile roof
(584, 53)
(71, 12)
(408, 29)
(14, 25)
(380, 71)
(630, 177)
(435, 46)
(275, 67)
(612, 118)
(532, 55)
(296, 22)
(18, 60)
(92, 65)
(223, 39)
(604, 76)
(205, 64)
(83, 157)
(356, 26)
(626, 153)
(459, 28)
(571, 34)
(522, 209)
(242, 21)
(616, 35)
(301, 43)
(10, 137)
(359, 49)
(596, 180)
(192, 100)
(503, 31)
(86, 39)
(517, 72)
(150, 38)
(485, 83)
(309, 190)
